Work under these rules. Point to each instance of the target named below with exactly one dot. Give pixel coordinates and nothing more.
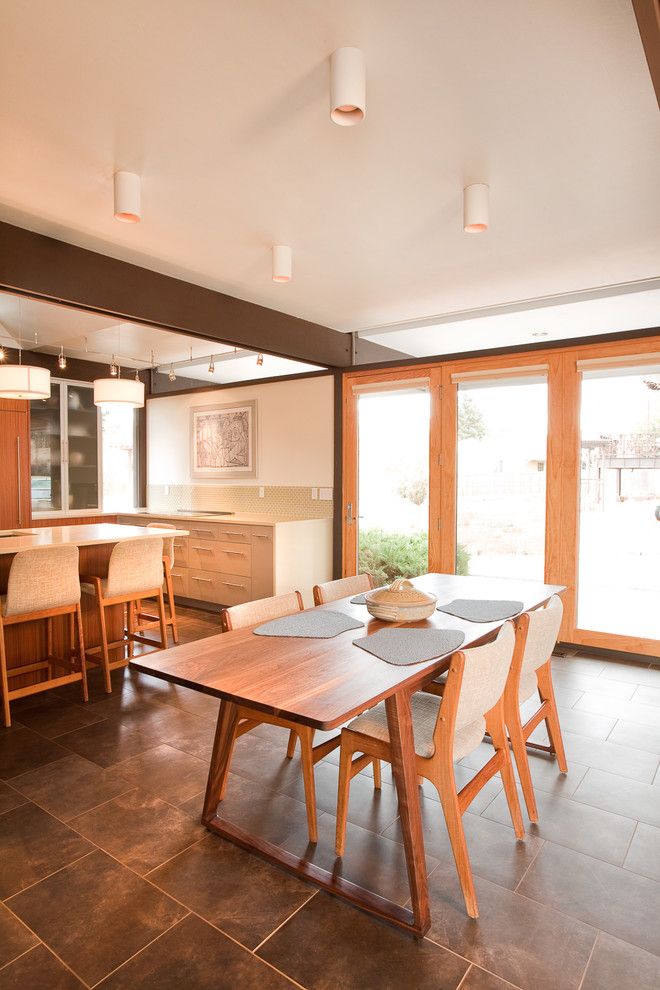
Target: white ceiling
(97, 338)
(222, 107)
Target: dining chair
(43, 583)
(531, 672)
(146, 620)
(251, 613)
(135, 571)
(331, 591)
(446, 730)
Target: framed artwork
(224, 440)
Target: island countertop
(95, 534)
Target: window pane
(619, 558)
(501, 478)
(45, 452)
(393, 480)
(118, 439)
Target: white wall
(295, 440)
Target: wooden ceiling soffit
(45, 267)
(647, 13)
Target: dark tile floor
(107, 879)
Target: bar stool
(145, 620)
(331, 591)
(43, 583)
(135, 571)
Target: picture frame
(223, 441)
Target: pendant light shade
(282, 263)
(118, 391)
(22, 381)
(127, 197)
(348, 86)
(475, 208)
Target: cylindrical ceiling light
(475, 208)
(127, 197)
(348, 86)
(282, 263)
(118, 391)
(23, 381)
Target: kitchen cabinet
(14, 458)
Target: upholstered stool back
(135, 567)
(42, 578)
(168, 541)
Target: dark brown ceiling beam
(647, 13)
(46, 268)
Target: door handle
(349, 513)
(18, 477)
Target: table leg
(399, 722)
(223, 745)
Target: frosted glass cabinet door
(83, 448)
(46, 452)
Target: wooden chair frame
(76, 665)
(439, 769)
(146, 620)
(319, 593)
(100, 655)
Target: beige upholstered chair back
(342, 588)
(135, 567)
(168, 541)
(43, 578)
(542, 635)
(239, 616)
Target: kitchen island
(27, 642)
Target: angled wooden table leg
(399, 722)
(223, 745)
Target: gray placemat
(315, 624)
(361, 600)
(406, 646)
(482, 609)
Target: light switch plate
(315, 493)
(325, 494)
(262, 491)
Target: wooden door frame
(562, 466)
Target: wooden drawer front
(235, 559)
(234, 534)
(213, 586)
(181, 551)
(261, 534)
(202, 531)
(180, 582)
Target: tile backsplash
(293, 502)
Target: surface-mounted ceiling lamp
(23, 381)
(260, 359)
(475, 208)
(61, 360)
(127, 197)
(282, 263)
(348, 86)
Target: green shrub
(388, 556)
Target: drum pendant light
(348, 86)
(127, 197)
(119, 391)
(475, 208)
(23, 381)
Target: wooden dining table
(323, 683)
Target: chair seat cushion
(425, 709)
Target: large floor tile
(15, 938)
(57, 717)
(139, 829)
(193, 702)
(106, 742)
(644, 853)
(32, 845)
(577, 681)
(632, 673)
(578, 826)
(494, 851)
(69, 786)
(617, 965)
(181, 730)
(645, 695)
(546, 775)
(590, 666)
(191, 955)
(166, 772)
(240, 893)
(620, 796)
(22, 750)
(631, 711)
(620, 760)
(38, 969)
(479, 979)
(585, 723)
(518, 940)
(96, 914)
(9, 798)
(608, 897)
(330, 944)
(644, 737)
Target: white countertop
(94, 534)
(236, 518)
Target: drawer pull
(260, 536)
(240, 533)
(205, 580)
(179, 546)
(234, 553)
(229, 584)
(203, 549)
(203, 532)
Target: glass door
(501, 477)
(82, 452)
(393, 482)
(46, 452)
(619, 522)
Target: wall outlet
(315, 493)
(167, 489)
(325, 494)
(262, 491)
